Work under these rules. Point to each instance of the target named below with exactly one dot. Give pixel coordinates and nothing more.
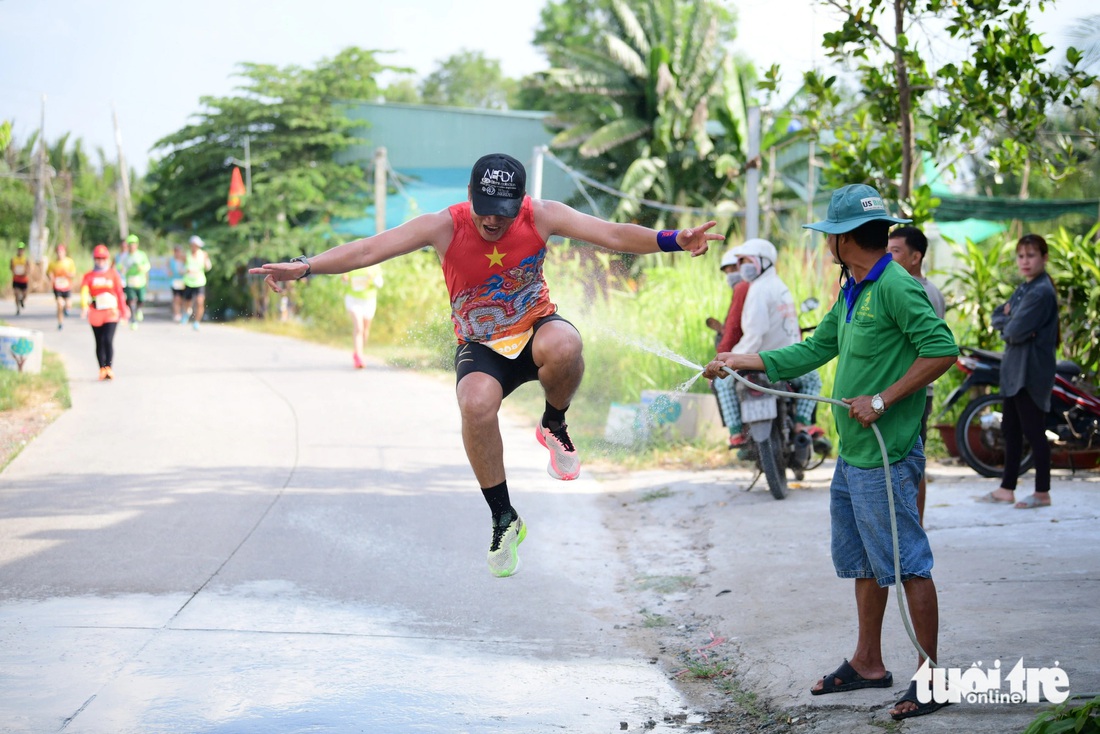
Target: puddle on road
(264, 660)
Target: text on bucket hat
(100, 252)
(196, 240)
(498, 183)
(852, 206)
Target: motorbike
(773, 443)
(768, 422)
(1072, 423)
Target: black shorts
(189, 291)
(62, 294)
(510, 373)
(20, 286)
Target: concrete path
(241, 533)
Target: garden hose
(889, 496)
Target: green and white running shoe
(504, 548)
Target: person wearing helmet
(135, 275)
(729, 333)
(103, 304)
(20, 276)
(769, 320)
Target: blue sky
(153, 60)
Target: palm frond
(613, 135)
(632, 28)
(627, 58)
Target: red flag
(236, 191)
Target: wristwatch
(303, 259)
(877, 404)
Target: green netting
(958, 208)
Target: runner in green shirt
(135, 278)
(890, 346)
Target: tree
(295, 121)
(297, 130)
(634, 95)
(1003, 85)
(402, 90)
(468, 79)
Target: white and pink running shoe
(564, 462)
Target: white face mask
(733, 278)
(749, 272)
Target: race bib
(511, 346)
(20, 270)
(61, 283)
(106, 301)
(136, 281)
(177, 284)
(359, 283)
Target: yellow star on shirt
(497, 258)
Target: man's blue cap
(852, 206)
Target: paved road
(243, 534)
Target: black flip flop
(921, 709)
(850, 680)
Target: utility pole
(752, 176)
(39, 234)
(380, 179)
(536, 172)
(122, 190)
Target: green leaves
(647, 90)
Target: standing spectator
(135, 275)
(1029, 325)
(62, 273)
(20, 276)
(177, 266)
(361, 301)
(889, 345)
(908, 246)
(103, 303)
(196, 266)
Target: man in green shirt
(135, 277)
(890, 345)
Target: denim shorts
(862, 543)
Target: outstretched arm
(555, 218)
(426, 230)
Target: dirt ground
(19, 427)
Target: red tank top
(497, 288)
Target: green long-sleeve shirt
(890, 324)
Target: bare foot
(1004, 495)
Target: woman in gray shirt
(1029, 325)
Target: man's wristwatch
(303, 259)
(877, 404)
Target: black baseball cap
(498, 183)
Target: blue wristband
(666, 240)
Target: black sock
(552, 417)
(497, 498)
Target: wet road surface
(243, 534)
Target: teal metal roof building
(431, 150)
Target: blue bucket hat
(852, 206)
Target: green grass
(23, 389)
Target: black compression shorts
(510, 373)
